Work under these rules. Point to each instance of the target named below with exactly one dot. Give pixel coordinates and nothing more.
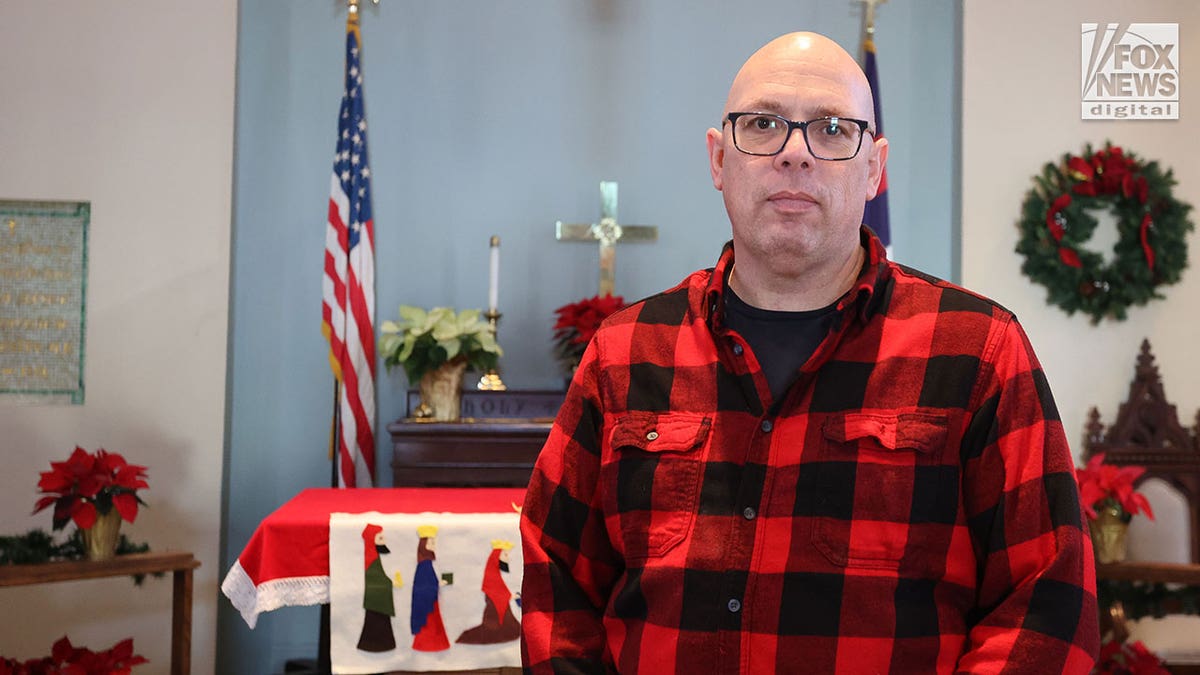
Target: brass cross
(608, 232)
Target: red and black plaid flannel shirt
(909, 507)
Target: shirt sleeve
(1037, 609)
(570, 565)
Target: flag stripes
(348, 288)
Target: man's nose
(795, 150)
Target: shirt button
(652, 435)
(737, 350)
(734, 605)
(767, 426)
(749, 513)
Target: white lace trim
(252, 600)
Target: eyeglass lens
(827, 137)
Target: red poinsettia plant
(91, 484)
(1128, 658)
(66, 659)
(1105, 485)
(577, 323)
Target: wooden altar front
(495, 444)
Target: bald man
(808, 459)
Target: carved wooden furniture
(495, 444)
(1147, 433)
(181, 564)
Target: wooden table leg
(181, 623)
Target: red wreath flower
(1099, 482)
(88, 484)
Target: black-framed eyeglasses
(834, 138)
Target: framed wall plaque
(43, 288)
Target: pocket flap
(668, 432)
(923, 432)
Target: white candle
(494, 276)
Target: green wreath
(1152, 227)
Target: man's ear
(716, 155)
(876, 160)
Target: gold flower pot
(100, 540)
(1109, 530)
(441, 392)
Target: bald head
(801, 64)
(796, 212)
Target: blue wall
(501, 118)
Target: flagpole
(334, 440)
(875, 212)
(869, 7)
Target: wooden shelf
(180, 563)
(1153, 572)
(72, 570)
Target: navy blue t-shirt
(781, 341)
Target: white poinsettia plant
(422, 341)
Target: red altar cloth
(286, 561)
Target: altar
(315, 549)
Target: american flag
(348, 307)
(876, 214)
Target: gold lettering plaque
(43, 283)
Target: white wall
(128, 106)
(1021, 84)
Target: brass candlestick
(491, 379)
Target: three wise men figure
(429, 633)
(499, 624)
(376, 635)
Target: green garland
(37, 546)
(1142, 599)
(1152, 227)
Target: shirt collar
(865, 297)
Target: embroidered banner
(424, 592)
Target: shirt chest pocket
(652, 480)
(885, 498)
